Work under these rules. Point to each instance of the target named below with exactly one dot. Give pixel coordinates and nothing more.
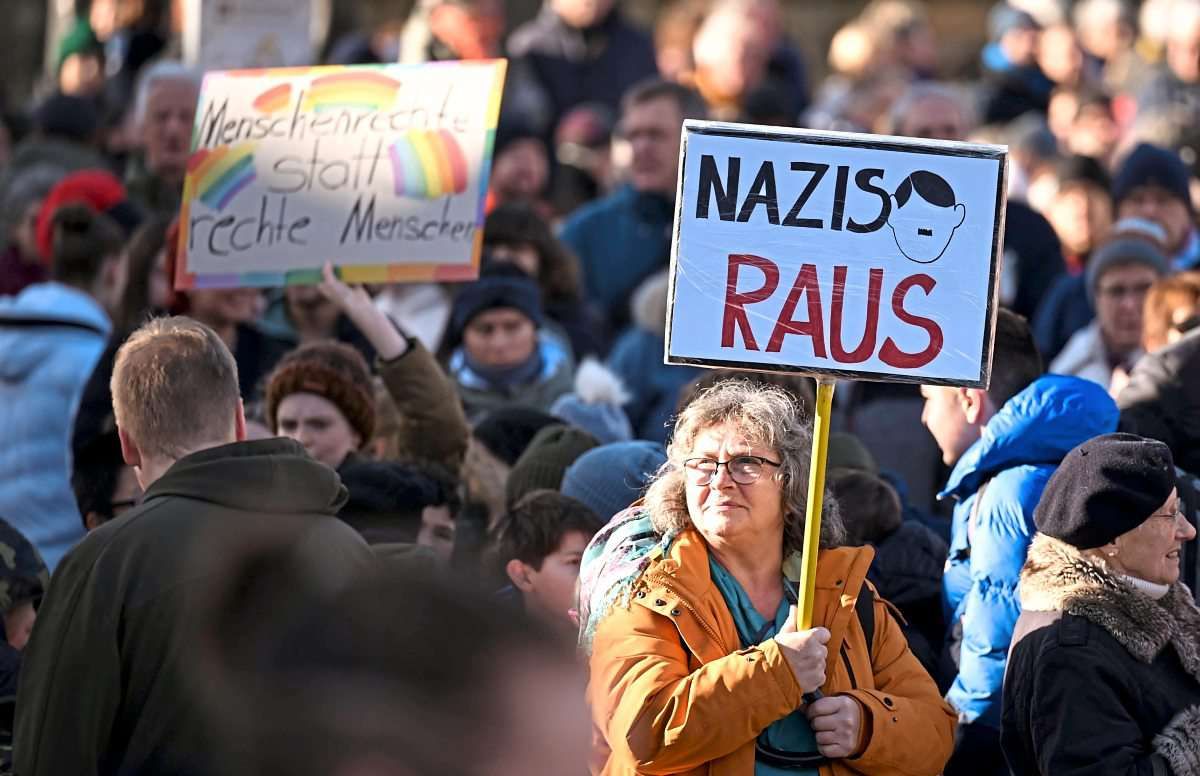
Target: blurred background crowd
(512, 416)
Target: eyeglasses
(744, 469)
(1118, 291)
(1172, 516)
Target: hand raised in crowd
(355, 303)
(805, 652)
(837, 722)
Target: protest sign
(232, 34)
(381, 170)
(836, 254)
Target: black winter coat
(1101, 679)
(1162, 401)
(907, 572)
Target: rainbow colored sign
(428, 164)
(221, 173)
(352, 90)
(382, 170)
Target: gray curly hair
(768, 416)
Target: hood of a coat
(1161, 400)
(43, 307)
(1039, 425)
(1059, 578)
(273, 476)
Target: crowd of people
(481, 527)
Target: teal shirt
(791, 733)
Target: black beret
(1105, 487)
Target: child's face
(551, 593)
(923, 230)
(437, 532)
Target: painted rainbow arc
(351, 91)
(427, 164)
(274, 99)
(220, 174)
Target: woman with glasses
(1104, 672)
(687, 608)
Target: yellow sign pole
(816, 499)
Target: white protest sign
(232, 34)
(836, 254)
(381, 170)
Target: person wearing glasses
(1104, 673)
(1119, 274)
(688, 612)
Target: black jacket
(105, 687)
(1162, 401)
(574, 66)
(1101, 679)
(907, 572)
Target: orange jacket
(672, 692)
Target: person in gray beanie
(1105, 662)
(611, 477)
(1119, 274)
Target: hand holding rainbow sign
(381, 170)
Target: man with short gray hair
(163, 114)
(108, 659)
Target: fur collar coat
(1101, 678)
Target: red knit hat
(99, 190)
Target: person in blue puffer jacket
(1003, 445)
(51, 337)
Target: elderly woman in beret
(688, 603)
(1104, 673)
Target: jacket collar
(1039, 425)
(1059, 578)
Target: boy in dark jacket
(909, 557)
(106, 659)
(539, 545)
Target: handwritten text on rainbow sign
(349, 131)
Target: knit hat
(79, 39)
(595, 404)
(542, 465)
(98, 189)
(1132, 241)
(610, 478)
(23, 574)
(335, 372)
(1105, 487)
(846, 451)
(1148, 165)
(1004, 18)
(67, 116)
(507, 432)
(500, 286)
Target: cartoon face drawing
(924, 216)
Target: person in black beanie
(1154, 183)
(501, 356)
(1105, 662)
